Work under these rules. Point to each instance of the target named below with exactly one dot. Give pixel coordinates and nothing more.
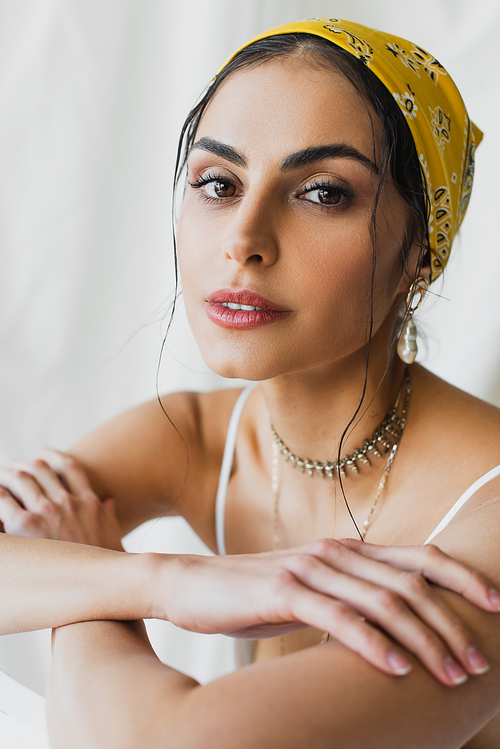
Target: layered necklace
(391, 427)
(385, 440)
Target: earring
(407, 344)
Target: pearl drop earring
(407, 344)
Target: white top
(244, 648)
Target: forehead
(287, 104)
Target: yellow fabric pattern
(443, 134)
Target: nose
(251, 235)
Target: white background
(92, 97)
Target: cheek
(335, 265)
(336, 280)
(191, 252)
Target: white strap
(463, 499)
(225, 471)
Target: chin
(242, 370)
(264, 355)
(242, 362)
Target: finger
(388, 610)
(430, 607)
(421, 598)
(343, 624)
(436, 566)
(48, 480)
(15, 519)
(70, 471)
(24, 488)
(9, 507)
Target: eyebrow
(318, 153)
(304, 157)
(220, 149)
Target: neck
(311, 410)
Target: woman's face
(277, 217)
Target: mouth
(242, 309)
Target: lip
(219, 314)
(243, 296)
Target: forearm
(52, 583)
(108, 689)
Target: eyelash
(206, 180)
(346, 196)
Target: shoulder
(210, 422)
(452, 439)
(448, 402)
(161, 457)
(455, 434)
(460, 437)
(214, 411)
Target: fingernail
(398, 664)
(476, 661)
(454, 670)
(494, 597)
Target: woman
(328, 168)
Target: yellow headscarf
(444, 136)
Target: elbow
(169, 722)
(92, 734)
(127, 731)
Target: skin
(271, 235)
(323, 279)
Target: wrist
(161, 580)
(132, 585)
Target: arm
(110, 659)
(328, 584)
(324, 585)
(51, 583)
(321, 697)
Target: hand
(362, 594)
(52, 498)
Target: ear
(417, 264)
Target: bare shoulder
(451, 458)
(472, 536)
(455, 434)
(455, 406)
(160, 459)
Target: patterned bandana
(443, 134)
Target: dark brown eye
(327, 196)
(218, 189)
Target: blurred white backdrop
(92, 97)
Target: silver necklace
(392, 427)
(311, 466)
(276, 494)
